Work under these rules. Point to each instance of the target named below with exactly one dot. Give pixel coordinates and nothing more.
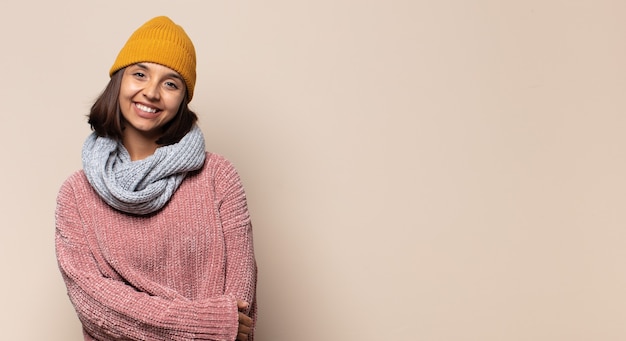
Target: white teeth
(145, 108)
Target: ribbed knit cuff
(212, 319)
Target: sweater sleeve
(108, 308)
(241, 267)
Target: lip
(145, 114)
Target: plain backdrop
(416, 170)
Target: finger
(244, 329)
(245, 320)
(242, 305)
(242, 337)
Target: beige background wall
(416, 170)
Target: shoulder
(221, 172)
(74, 193)
(219, 166)
(75, 180)
(75, 185)
(215, 160)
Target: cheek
(124, 93)
(128, 89)
(174, 103)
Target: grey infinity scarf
(142, 186)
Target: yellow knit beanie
(160, 41)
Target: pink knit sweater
(172, 275)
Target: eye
(139, 74)
(171, 85)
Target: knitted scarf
(142, 186)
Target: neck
(138, 146)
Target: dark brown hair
(106, 118)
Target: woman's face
(150, 96)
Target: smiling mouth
(146, 108)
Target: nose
(151, 91)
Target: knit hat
(160, 41)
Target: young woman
(153, 235)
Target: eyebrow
(170, 75)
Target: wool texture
(161, 41)
(142, 186)
(173, 275)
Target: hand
(245, 322)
